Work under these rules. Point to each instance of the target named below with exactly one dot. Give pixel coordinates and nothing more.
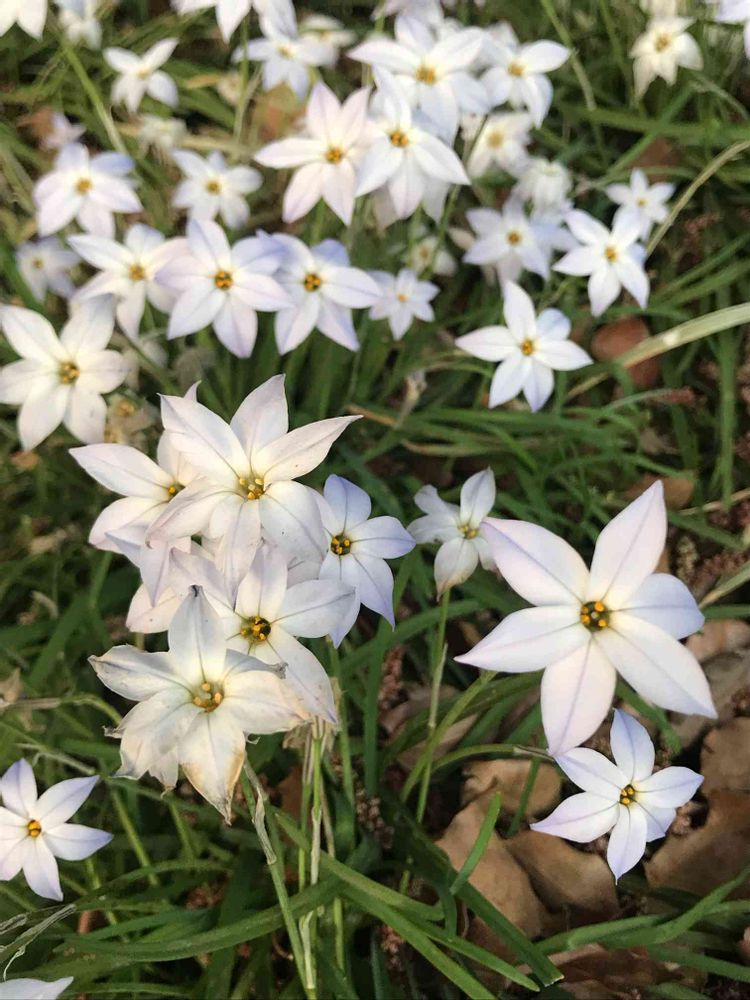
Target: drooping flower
(323, 289)
(357, 546)
(403, 299)
(518, 74)
(589, 625)
(34, 828)
(61, 380)
(33, 989)
(197, 705)
(328, 32)
(458, 528)
(501, 144)
(404, 158)
(546, 184)
(529, 348)
(736, 12)
(161, 134)
(644, 201)
(432, 72)
(429, 253)
(326, 155)
(44, 264)
(624, 799)
(664, 46)
(127, 271)
(613, 259)
(62, 131)
(222, 286)
(246, 474)
(30, 16)
(141, 75)
(211, 187)
(509, 241)
(86, 188)
(79, 22)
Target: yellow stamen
(137, 273)
(611, 254)
(223, 279)
(252, 488)
(334, 154)
(425, 74)
(69, 372)
(340, 546)
(527, 347)
(37, 263)
(210, 697)
(495, 139)
(467, 531)
(516, 69)
(594, 615)
(256, 629)
(627, 795)
(663, 41)
(399, 138)
(312, 282)
(83, 185)
(34, 828)
(213, 187)
(514, 237)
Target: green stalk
(93, 94)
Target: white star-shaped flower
(624, 798)
(85, 188)
(44, 265)
(432, 72)
(403, 299)
(78, 19)
(645, 202)
(128, 272)
(222, 286)
(323, 289)
(61, 380)
(229, 13)
(546, 184)
(589, 625)
(458, 528)
(211, 187)
(197, 705)
(518, 75)
(613, 259)
(664, 46)
(328, 32)
(141, 75)
(30, 16)
(508, 240)
(501, 144)
(326, 155)
(287, 56)
(34, 828)
(529, 348)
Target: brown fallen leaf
(418, 700)
(708, 855)
(484, 777)
(564, 877)
(595, 973)
(725, 758)
(722, 636)
(743, 946)
(498, 876)
(614, 339)
(727, 674)
(678, 490)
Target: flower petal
(577, 692)
(529, 640)
(670, 788)
(631, 747)
(627, 841)
(581, 818)
(666, 602)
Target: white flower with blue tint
(44, 264)
(589, 625)
(34, 829)
(624, 799)
(518, 75)
(645, 202)
(357, 548)
(509, 241)
(403, 299)
(141, 75)
(661, 50)
(211, 187)
(458, 528)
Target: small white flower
(664, 46)
(140, 75)
(590, 625)
(403, 157)
(62, 132)
(428, 253)
(246, 473)
(459, 529)
(357, 547)
(211, 187)
(428, 11)
(328, 32)
(222, 286)
(286, 56)
(128, 272)
(432, 72)
(546, 184)
(229, 13)
(645, 202)
(79, 22)
(87, 189)
(162, 133)
(501, 145)
(530, 348)
(323, 289)
(518, 74)
(627, 799)
(33, 989)
(30, 16)
(326, 155)
(197, 705)
(44, 265)
(736, 12)
(61, 380)
(403, 299)
(34, 829)
(508, 240)
(613, 259)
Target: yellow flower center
(340, 546)
(209, 697)
(402, 298)
(223, 280)
(83, 185)
(467, 531)
(627, 795)
(68, 372)
(425, 74)
(662, 41)
(399, 138)
(213, 187)
(252, 488)
(312, 282)
(173, 490)
(594, 616)
(256, 629)
(642, 202)
(37, 263)
(137, 273)
(495, 138)
(334, 154)
(611, 254)
(34, 828)
(514, 237)
(516, 69)
(285, 52)
(527, 347)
